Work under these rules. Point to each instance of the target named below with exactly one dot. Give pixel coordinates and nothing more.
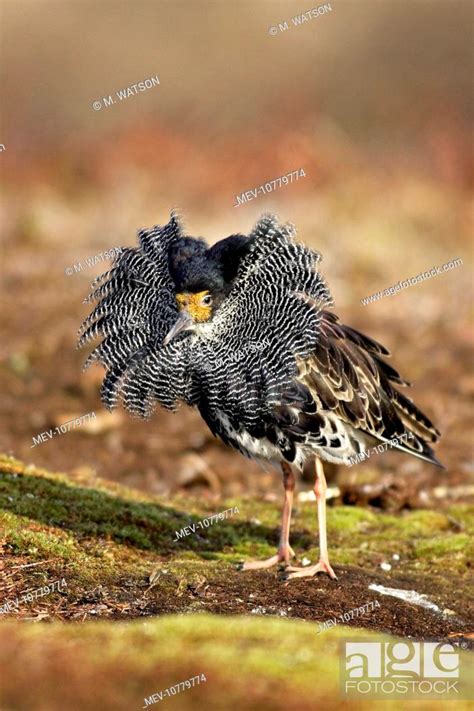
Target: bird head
(198, 305)
(194, 308)
(203, 277)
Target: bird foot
(323, 566)
(282, 556)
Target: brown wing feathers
(348, 375)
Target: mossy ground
(115, 550)
(248, 664)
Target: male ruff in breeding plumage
(173, 314)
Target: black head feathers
(196, 267)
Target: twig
(31, 565)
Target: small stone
(19, 363)
(102, 422)
(194, 470)
(270, 497)
(306, 496)
(395, 556)
(386, 566)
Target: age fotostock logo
(399, 669)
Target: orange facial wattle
(194, 306)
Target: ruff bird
(242, 331)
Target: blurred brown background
(371, 99)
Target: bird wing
(346, 375)
(136, 309)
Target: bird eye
(206, 300)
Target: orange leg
(284, 550)
(323, 565)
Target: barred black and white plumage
(242, 331)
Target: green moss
(415, 524)
(440, 547)
(248, 663)
(461, 515)
(100, 530)
(105, 538)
